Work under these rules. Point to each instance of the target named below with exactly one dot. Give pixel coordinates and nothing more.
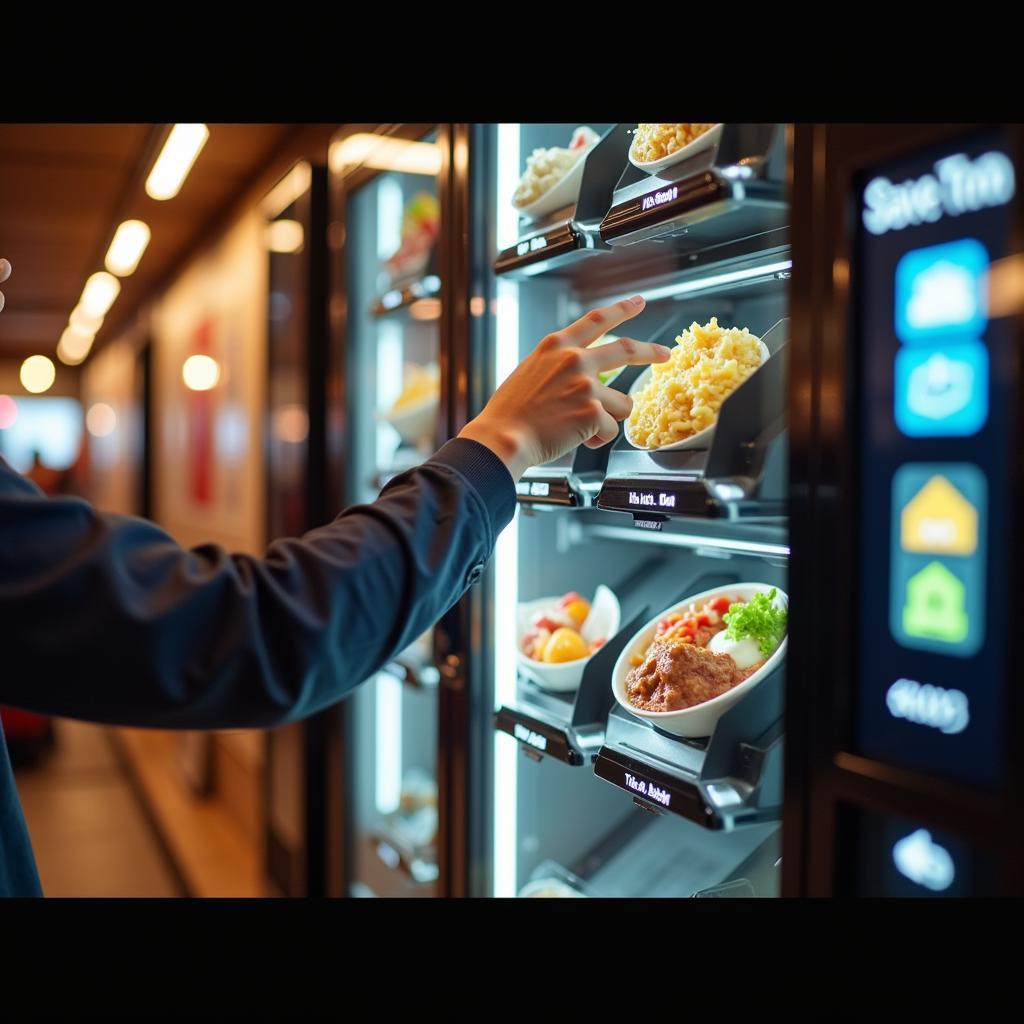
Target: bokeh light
(200, 373)
(37, 374)
(8, 411)
(100, 420)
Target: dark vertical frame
(824, 780)
(455, 630)
(307, 876)
(481, 244)
(804, 372)
(144, 389)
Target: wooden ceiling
(64, 188)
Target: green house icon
(935, 605)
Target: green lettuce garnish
(759, 619)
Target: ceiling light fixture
(294, 184)
(83, 322)
(126, 249)
(176, 160)
(384, 153)
(99, 293)
(74, 346)
(284, 236)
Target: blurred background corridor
(134, 248)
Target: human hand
(5, 272)
(552, 402)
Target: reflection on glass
(287, 384)
(393, 391)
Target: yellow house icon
(939, 519)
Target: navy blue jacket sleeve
(105, 618)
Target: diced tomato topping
(720, 605)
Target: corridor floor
(89, 832)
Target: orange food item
(554, 635)
(578, 611)
(565, 645)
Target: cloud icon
(942, 289)
(943, 295)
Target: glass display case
(388, 224)
(582, 789)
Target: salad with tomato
(748, 631)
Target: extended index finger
(600, 321)
(625, 352)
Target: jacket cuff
(486, 473)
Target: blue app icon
(942, 390)
(942, 290)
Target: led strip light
(506, 559)
(703, 284)
(689, 540)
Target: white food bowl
(701, 718)
(415, 421)
(562, 193)
(549, 887)
(702, 439)
(710, 138)
(603, 621)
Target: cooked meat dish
(677, 674)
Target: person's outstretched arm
(106, 618)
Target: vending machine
(390, 387)
(588, 786)
(831, 508)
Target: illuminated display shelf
(733, 191)
(739, 477)
(406, 294)
(393, 868)
(645, 856)
(569, 727)
(560, 240)
(731, 779)
(571, 482)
